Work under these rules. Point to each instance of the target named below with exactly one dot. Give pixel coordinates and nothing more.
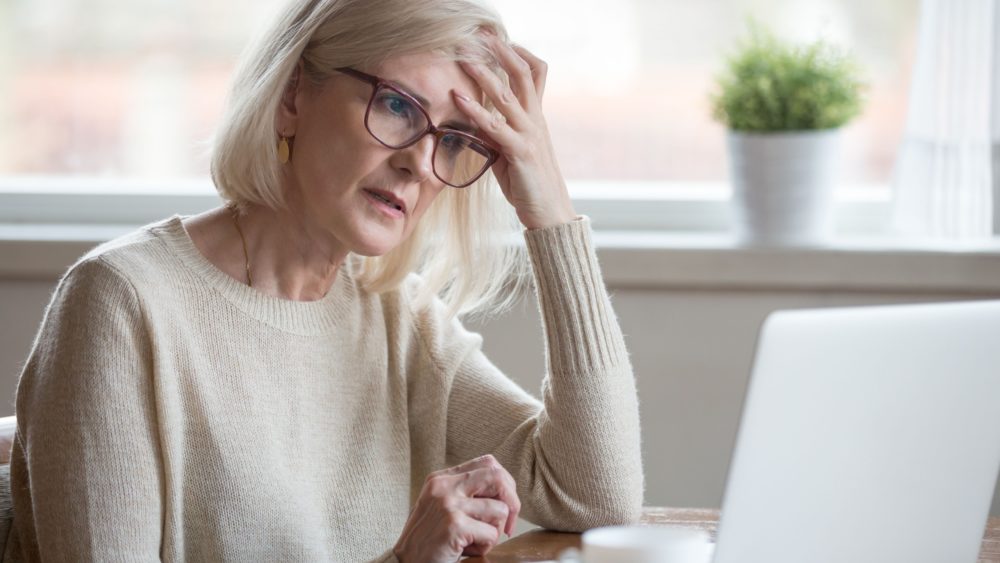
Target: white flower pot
(783, 186)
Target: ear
(287, 117)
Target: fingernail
(462, 97)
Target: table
(543, 545)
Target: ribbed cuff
(580, 326)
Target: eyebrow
(423, 101)
(465, 127)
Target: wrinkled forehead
(429, 77)
(474, 49)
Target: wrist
(544, 223)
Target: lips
(388, 197)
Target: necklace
(246, 255)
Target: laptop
(868, 434)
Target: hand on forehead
(431, 78)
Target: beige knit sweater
(169, 412)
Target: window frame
(664, 207)
(653, 235)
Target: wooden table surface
(543, 545)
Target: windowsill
(848, 264)
(648, 235)
(653, 260)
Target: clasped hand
(461, 510)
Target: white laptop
(868, 434)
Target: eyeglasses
(397, 120)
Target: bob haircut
(464, 248)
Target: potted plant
(784, 106)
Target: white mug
(646, 544)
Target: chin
(377, 239)
(376, 246)
(372, 253)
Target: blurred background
(133, 88)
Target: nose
(415, 161)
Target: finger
(466, 466)
(539, 68)
(477, 538)
(485, 482)
(491, 511)
(492, 126)
(446, 482)
(493, 482)
(519, 71)
(499, 93)
(509, 497)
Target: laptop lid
(868, 434)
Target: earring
(283, 151)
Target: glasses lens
(459, 160)
(395, 119)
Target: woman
(271, 380)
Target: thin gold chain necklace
(246, 255)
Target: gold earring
(283, 151)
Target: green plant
(770, 85)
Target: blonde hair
(463, 247)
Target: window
(127, 88)
(630, 80)
(132, 89)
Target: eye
(397, 105)
(453, 143)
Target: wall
(692, 351)
(691, 332)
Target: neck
(289, 258)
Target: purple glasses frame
(377, 83)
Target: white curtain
(947, 177)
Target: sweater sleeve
(85, 472)
(576, 457)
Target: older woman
(284, 378)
